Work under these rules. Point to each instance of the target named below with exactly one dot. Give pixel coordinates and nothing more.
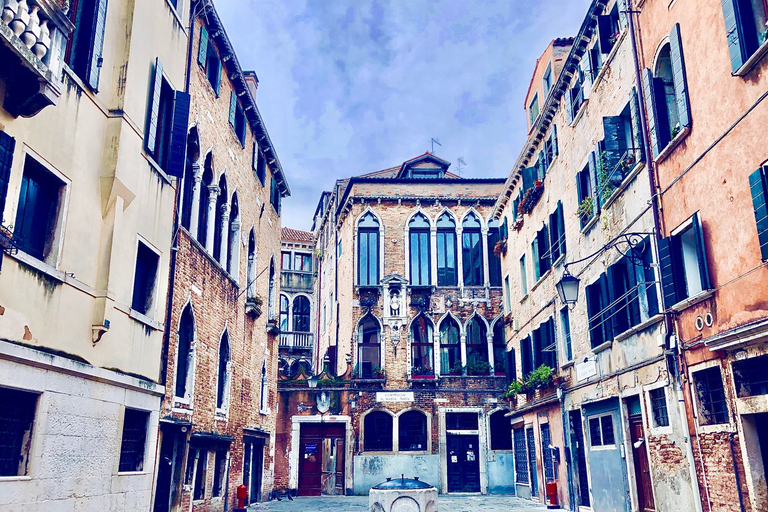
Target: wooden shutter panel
(678, 75)
(637, 127)
(529, 176)
(554, 140)
(614, 143)
(505, 229)
(733, 34)
(561, 226)
(217, 84)
(154, 106)
(593, 183)
(7, 145)
(623, 13)
(607, 295)
(604, 33)
(553, 234)
(586, 74)
(553, 342)
(567, 96)
(756, 186)
(652, 107)
(511, 365)
(178, 146)
(667, 273)
(701, 252)
(202, 52)
(97, 50)
(232, 107)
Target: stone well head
(402, 495)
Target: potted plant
(379, 373)
(422, 372)
(514, 388)
(586, 208)
(518, 223)
(253, 306)
(478, 368)
(456, 369)
(613, 38)
(500, 248)
(540, 378)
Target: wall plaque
(394, 396)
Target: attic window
(425, 174)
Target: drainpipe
(736, 471)
(567, 448)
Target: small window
(284, 306)
(683, 263)
(260, 164)
(224, 368)
(134, 441)
(461, 421)
(499, 349)
(659, 407)
(144, 280)
(209, 59)
(599, 312)
(263, 398)
(160, 129)
(523, 276)
(601, 431)
(608, 29)
(303, 262)
(587, 207)
(501, 431)
(286, 261)
(713, 409)
(547, 79)
(301, 314)
(477, 347)
(412, 429)
(219, 473)
(378, 432)
(339, 249)
(533, 109)
(87, 43)
(7, 146)
(274, 196)
(37, 215)
(544, 345)
(507, 296)
(17, 417)
(494, 256)
(546, 453)
(185, 357)
(422, 345)
(751, 377)
(201, 476)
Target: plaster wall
(371, 470)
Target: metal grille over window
(659, 407)
(521, 457)
(751, 377)
(134, 440)
(17, 415)
(549, 464)
(711, 396)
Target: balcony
(33, 36)
(296, 340)
(291, 280)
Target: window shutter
(678, 75)
(154, 106)
(535, 254)
(756, 185)
(568, 105)
(667, 273)
(650, 99)
(607, 295)
(202, 53)
(7, 145)
(505, 229)
(637, 127)
(553, 342)
(178, 146)
(553, 235)
(586, 73)
(561, 227)
(604, 33)
(94, 67)
(255, 157)
(544, 252)
(232, 107)
(554, 140)
(733, 34)
(529, 176)
(622, 6)
(593, 182)
(511, 365)
(217, 85)
(701, 252)
(614, 143)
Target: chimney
(252, 81)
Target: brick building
(218, 413)
(597, 381)
(87, 190)
(706, 115)
(413, 341)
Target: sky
(351, 87)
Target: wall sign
(394, 396)
(585, 370)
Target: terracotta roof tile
(296, 235)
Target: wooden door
(165, 471)
(642, 468)
(463, 463)
(310, 467)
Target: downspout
(567, 448)
(655, 197)
(318, 299)
(336, 280)
(736, 470)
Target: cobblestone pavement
(451, 503)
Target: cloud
(349, 87)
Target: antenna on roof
(460, 162)
(435, 141)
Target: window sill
(559, 260)
(20, 478)
(752, 60)
(690, 301)
(180, 410)
(154, 165)
(144, 319)
(176, 15)
(40, 266)
(590, 224)
(673, 144)
(541, 279)
(640, 327)
(624, 184)
(525, 297)
(579, 114)
(133, 473)
(719, 427)
(602, 347)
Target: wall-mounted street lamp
(312, 381)
(568, 286)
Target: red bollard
(242, 496)
(551, 488)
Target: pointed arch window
(205, 199)
(263, 399)
(301, 309)
(222, 384)
(450, 348)
(219, 227)
(368, 250)
(368, 348)
(193, 153)
(477, 346)
(472, 251)
(185, 357)
(422, 362)
(272, 291)
(499, 349)
(233, 239)
(494, 260)
(251, 273)
(446, 251)
(284, 307)
(419, 230)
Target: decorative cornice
(738, 336)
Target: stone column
(491, 359)
(213, 195)
(436, 351)
(463, 345)
(459, 258)
(224, 242)
(194, 214)
(433, 255)
(234, 269)
(484, 242)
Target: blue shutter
(217, 84)
(667, 272)
(154, 106)
(604, 33)
(733, 34)
(756, 186)
(94, 67)
(561, 226)
(529, 176)
(650, 100)
(178, 145)
(568, 105)
(554, 140)
(637, 127)
(593, 183)
(678, 75)
(701, 252)
(202, 53)
(615, 143)
(232, 107)
(7, 145)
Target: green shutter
(568, 97)
(154, 106)
(637, 127)
(678, 76)
(615, 142)
(202, 53)
(97, 50)
(757, 187)
(667, 272)
(593, 182)
(733, 34)
(217, 84)
(232, 107)
(7, 145)
(554, 140)
(701, 252)
(561, 226)
(652, 108)
(179, 125)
